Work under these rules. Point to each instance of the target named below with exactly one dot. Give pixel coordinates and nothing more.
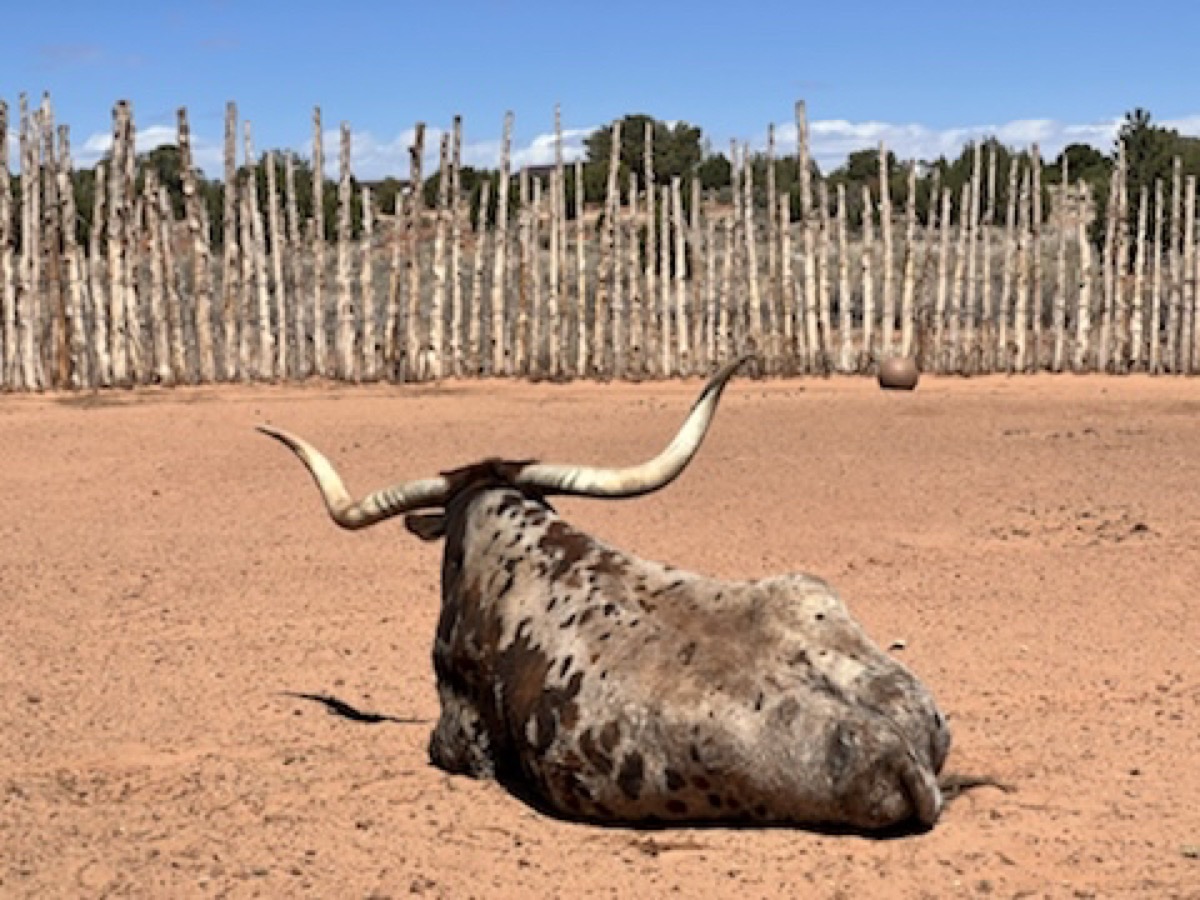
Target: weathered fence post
(320, 332)
(231, 299)
(347, 363)
(501, 360)
(369, 363)
(81, 370)
(457, 362)
(201, 258)
(8, 297)
(160, 337)
(602, 330)
(279, 250)
(1137, 324)
(116, 234)
(436, 347)
(867, 353)
(1060, 287)
(889, 276)
(908, 285)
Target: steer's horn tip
(721, 377)
(289, 440)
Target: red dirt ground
(169, 580)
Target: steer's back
(623, 689)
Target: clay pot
(897, 373)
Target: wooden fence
(646, 286)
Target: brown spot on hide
(543, 728)
(701, 783)
(521, 672)
(610, 736)
(674, 780)
(507, 586)
(566, 545)
(631, 775)
(577, 788)
(714, 800)
(677, 807)
(666, 589)
(592, 752)
(612, 564)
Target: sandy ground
(170, 583)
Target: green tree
(678, 150)
(1150, 151)
(715, 172)
(166, 162)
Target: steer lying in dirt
(613, 689)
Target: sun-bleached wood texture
(659, 278)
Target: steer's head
(533, 479)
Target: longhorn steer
(609, 688)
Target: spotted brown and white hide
(623, 690)
(609, 688)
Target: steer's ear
(426, 526)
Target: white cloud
(832, 140)
(207, 154)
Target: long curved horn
(373, 508)
(640, 479)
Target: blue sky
(925, 81)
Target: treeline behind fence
(652, 284)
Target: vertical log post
(279, 251)
(889, 275)
(1059, 313)
(265, 364)
(612, 202)
(475, 339)
(196, 212)
(1137, 322)
(347, 366)
(231, 292)
(81, 374)
(115, 248)
(457, 360)
(1155, 327)
(908, 283)
(435, 350)
(369, 357)
(867, 353)
(500, 351)
(969, 355)
(8, 295)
